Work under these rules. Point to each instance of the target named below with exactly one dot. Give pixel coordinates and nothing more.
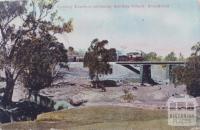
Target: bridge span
(151, 62)
(144, 69)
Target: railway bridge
(145, 69)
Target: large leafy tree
(97, 60)
(41, 58)
(29, 48)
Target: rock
(135, 88)
(77, 100)
(77, 103)
(109, 83)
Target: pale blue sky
(174, 27)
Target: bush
(128, 96)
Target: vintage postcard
(99, 64)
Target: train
(136, 55)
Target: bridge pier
(169, 73)
(145, 75)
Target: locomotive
(136, 55)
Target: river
(119, 72)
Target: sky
(161, 26)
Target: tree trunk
(99, 84)
(7, 97)
(97, 81)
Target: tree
(196, 49)
(178, 73)
(190, 73)
(171, 57)
(112, 55)
(10, 37)
(152, 56)
(97, 58)
(43, 51)
(41, 58)
(37, 29)
(191, 76)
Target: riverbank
(76, 85)
(140, 107)
(151, 97)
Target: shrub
(128, 96)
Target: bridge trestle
(145, 70)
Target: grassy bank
(98, 118)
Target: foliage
(112, 54)
(196, 49)
(10, 36)
(171, 57)
(41, 59)
(178, 74)
(190, 73)
(152, 56)
(192, 77)
(128, 96)
(42, 51)
(97, 58)
(31, 48)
